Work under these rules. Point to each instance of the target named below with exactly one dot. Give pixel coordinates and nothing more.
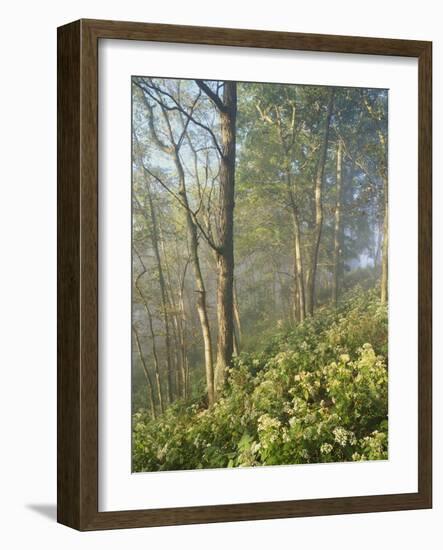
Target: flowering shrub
(317, 393)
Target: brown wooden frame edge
(77, 317)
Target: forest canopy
(260, 273)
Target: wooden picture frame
(78, 274)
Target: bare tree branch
(214, 97)
(177, 107)
(183, 205)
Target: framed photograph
(244, 275)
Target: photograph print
(259, 274)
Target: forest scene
(259, 274)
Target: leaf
(245, 442)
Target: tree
(293, 176)
(227, 108)
(377, 113)
(172, 149)
(146, 372)
(154, 234)
(283, 117)
(153, 338)
(337, 224)
(318, 192)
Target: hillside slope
(316, 393)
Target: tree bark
(337, 225)
(299, 306)
(182, 328)
(225, 255)
(385, 246)
(154, 348)
(146, 373)
(237, 328)
(176, 325)
(318, 191)
(202, 309)
(287, 143)
(384, 175)
(164, 299)
(183, 346)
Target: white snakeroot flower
(326, 448)
(340, 435)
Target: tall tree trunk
(146, 373)
(385, 246)
(204, 324)
(300, 307)
(238, 334)
(183, 346)
(156, 364)
(202, 308)
(337, 225)
(182, 332)
(154, 349)
(384, 175)
(164, 298)
(176, 325)
(225, 256)
(295, 310)
(235, 345)
(318, 191)
(378, 243)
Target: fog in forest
(260, 273)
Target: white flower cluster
(340, 436)
(266, 422)
(326, 448)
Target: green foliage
(316, 393)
